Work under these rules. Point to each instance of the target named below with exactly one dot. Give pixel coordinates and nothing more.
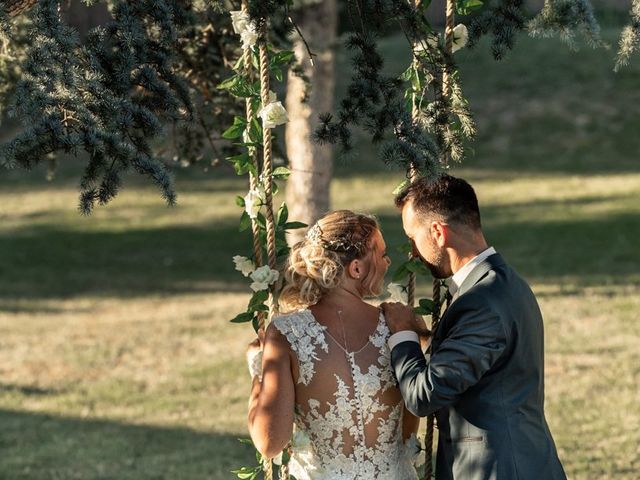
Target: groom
(485, 376)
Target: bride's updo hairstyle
(317, 263)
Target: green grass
(116, 358)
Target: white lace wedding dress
(348, 418)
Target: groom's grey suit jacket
(484, 381)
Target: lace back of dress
(346, 402)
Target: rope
(267, 166)
(253, 181)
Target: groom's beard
(439, 265)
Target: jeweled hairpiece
(343, 245)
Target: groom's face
(425, 247)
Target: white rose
(263, 277)
(398, 293)
(249, 36)
(413, 448)
(460, 37)
(273, 114)
(244, 265)
(240, 21)
(253, 201)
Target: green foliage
(630, 37)
(566, 18)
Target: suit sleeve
(472, 345)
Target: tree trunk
(311, 164)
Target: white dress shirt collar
(461, 275)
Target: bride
(325, 365)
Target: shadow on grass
(48, 262)
(39, 446)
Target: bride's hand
(401, 317)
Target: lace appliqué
(304, 337)
(355, 431)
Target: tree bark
(311, 164)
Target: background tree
(310, 89)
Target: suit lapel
(474, 277)
(480, 271)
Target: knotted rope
(267, 167)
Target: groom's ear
(439, 233)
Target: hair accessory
(340, 244)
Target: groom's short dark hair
(449, 197)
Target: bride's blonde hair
(316, 264)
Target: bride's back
(348, 407)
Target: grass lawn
(116, 357)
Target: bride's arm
(272, 400)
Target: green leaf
(428, 305)
(281, 58)
(421, 311)
(283, 214)
(255, 323)
(400, 273)
(294, 225)
(242, 317)
(257, 299)
(255, 131)
(245, 473)
(405, 248)
(240, 201)
(242, 164)
(281, 173)
(465, 7)
(416, 266)
(277, 73)
(238, 86)
(236, 130)
(245, 221)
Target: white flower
(240, 20)
(263, 277)
(278, 459)
(273, 114)
(272, 97)
(244, 27)
(413, 448)
(253, 201)
(244, 265)
(460, 37)
(249, 37)
(398, 293)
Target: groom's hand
(400, 317)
